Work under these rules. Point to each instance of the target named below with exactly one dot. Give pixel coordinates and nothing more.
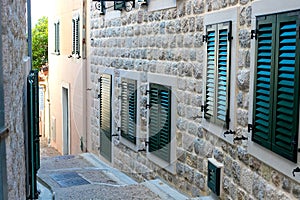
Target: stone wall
(14, 51)
(170, 42)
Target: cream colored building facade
(67, 76)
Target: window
(75, 37)
(129, 109)
(221, 61)
(56, 38)
(106, 116)
(162, 101)
(276, 86)
(216, 103)
(159, 121)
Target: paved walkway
(86, 177)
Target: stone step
(165, 191)
(111, 172)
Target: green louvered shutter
(218, 73)
(56, 27)
(211, 70)
(105, 116)
(223, 72)
(73, 36)
(77, 46)
(160, 121)
(128, 109)
(55, 37)
(263, 100)
(285, 139)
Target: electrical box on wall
(119, 5)
(214, 176)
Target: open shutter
(160, 121)
(56, 26)
(165, 123)
(73, 37)
(153, 118)
(105, 116)
(285, 140)
(77, 46)
(211, 70)
(33, 141)
(128, 109)
(223, 67)
(55, 37)
(263, 99)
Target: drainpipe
(3, 167)
(29, 32)
(84, 66)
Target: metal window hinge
(250, 128)
(240, 138)
(144, 149)
(254, 34)
(148, 106)
(228, 132)
(204, 38)
(229, 36)
(147, 92)
(227, 119)
(116, 135)
(297, 169)
(202, 108)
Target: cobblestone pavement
(46, 150)
(73, 177)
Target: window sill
(129, 144)
(170, 167)
(272, 159)
(217, 131)
(74, 56)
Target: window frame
(262, 8)
(171, 82)
(76, 36)
(57, 37)
(136, 76)
(157, 141)
(213, 117)
(219, 17)
(114, 131)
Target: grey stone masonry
(14, 50)
(170, 42)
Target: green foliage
(40, 43)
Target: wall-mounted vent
(214, 176)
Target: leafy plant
(40, 43)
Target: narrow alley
(86, 177)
